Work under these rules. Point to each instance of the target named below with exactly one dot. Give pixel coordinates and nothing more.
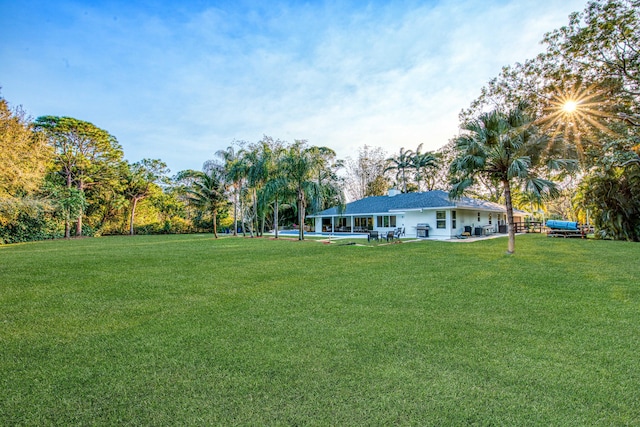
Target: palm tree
(235, 171)
(207, 192)
(275, 187)
(400, 164)
(275, 190)
(255, 171)
(423, 163)
(261, 165)
(301, 168)
(328, 180)
(505, 148)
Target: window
(363, 222)
(478, 216)
(387, 221)
(441, 219)
(489, 219)
(453, 220)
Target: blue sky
(180, 81)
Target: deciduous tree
(366, 174)
(24, 154)
(84, 153)
(140, 178)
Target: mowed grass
(190, 330)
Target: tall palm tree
(275, 187)
(207, 193)
(261, 165)
(301, 166)
(423, 164)
(400, 164)
(255, 171)
(504, 148)
(327, 177)
(276, 190)
(235, 171)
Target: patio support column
(333, 224)
(351, 223)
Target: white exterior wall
(466, 218)
(463, 218)
(428, 216)
(410, 219)
(470, 218)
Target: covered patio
(347, 224)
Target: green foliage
(24, 155)
(601, 44)
(307, 172)
(506, 150)
(367, 173)
(27, 219)
(413, 168)
(594, 62)
(401, 163)
(611, 194)
(87, 158)
(141, 179)
(24, 158)
(304, 333)
(207, 193)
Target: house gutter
(421, 209)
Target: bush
(25, 220)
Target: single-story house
(428, 214)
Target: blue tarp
(562, 225)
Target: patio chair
(373, 235)
(390, 235)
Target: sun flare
(570, 106)
(575, 115)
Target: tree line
(64, 177)
(563, 128)
(557, 135)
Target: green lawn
(189, 330)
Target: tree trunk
(300, 215)
(255, 220)
(215, 223)
(67, 215)
(134, 203)
(79, 225)
(79, 220)
(67, 223)
(510, 225)
(244, 234)
(275, 216)
(235, 211)
(251, 224)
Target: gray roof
(410, 201)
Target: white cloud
(182, 85)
